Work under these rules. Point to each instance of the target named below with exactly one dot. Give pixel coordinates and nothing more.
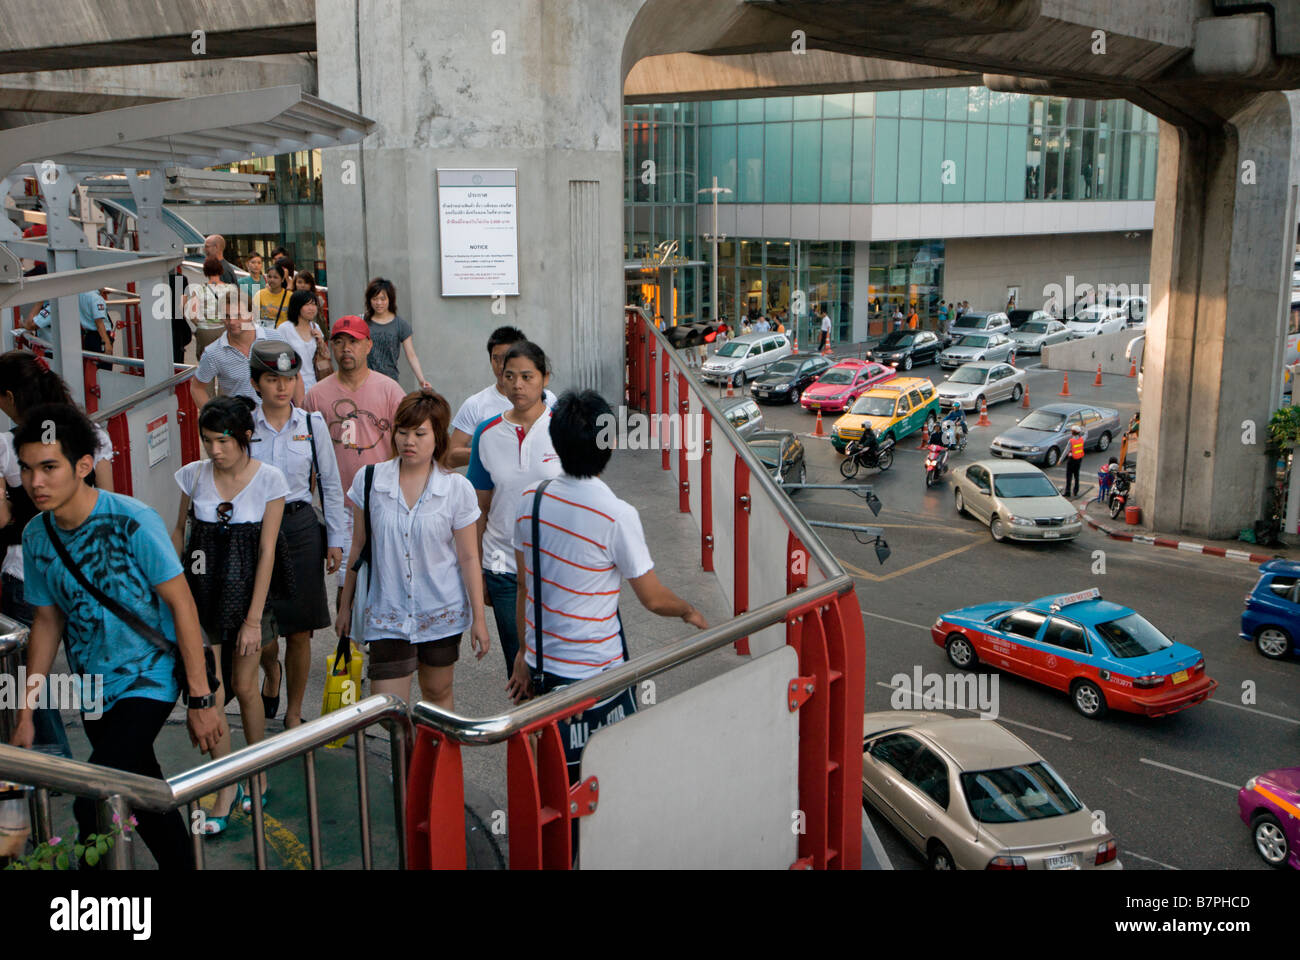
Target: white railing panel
(724, 512)
(769, 537)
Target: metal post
(313, 808)
(193, 819)
(363, 800)
(399, 754)
(259, 822)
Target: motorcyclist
(870, 442)
(948, 432)
(956, 416)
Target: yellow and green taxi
(896, 408)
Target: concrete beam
(690, 76)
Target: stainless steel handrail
(99, 416)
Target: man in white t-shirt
(589, 541)
(826, 331)
(489, 401)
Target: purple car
(1270, 805)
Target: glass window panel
(971, 174)
(779, 108)
(977, 104)
(807, 164)
(835, 105)
(778, 254)
(954, 149)
(749, 111)
(864, 104)
(706, 157)
(999, 106)
(688, 111)
(1019, 107)
(935, 103)
(749, 158)
(661, 190)
(1133, 184)
(1149, 157)
(1018, 162)
(1153, 123)
(909, 161)
(932, 161)
(807, 108)
(724, 111)
(1052, 163)
(1072, 174)
(862, 149)
(1074, 112)
(1088, 164)
(751, 253)
(885, 176)
(957, 103)
(837, 155)
(911, 102)
(724, 160)
(996, 176)
(1090, 113)
(689, 167)
(776, 168)
(887, 103)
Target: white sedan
(1094, 321)
(1016, 500)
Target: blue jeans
(50, 735)
(502, 592)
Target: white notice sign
(159, 440)
(478, 232)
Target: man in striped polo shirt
(589, 541)
(226, 359)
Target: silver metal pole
(363, 800)
(313, 808)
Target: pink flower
(117, 817)
(134, 822)
(55, 841)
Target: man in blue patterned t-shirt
(121, 546)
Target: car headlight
(1034, 449)
(781, 387)
(1021, 521)
(1250, 784)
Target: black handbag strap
(315, 463)
(367, 550)
(540, 668)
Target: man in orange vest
(912, 319)
(1073, 461)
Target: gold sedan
(969, 795)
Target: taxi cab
(896, 408)
(1106, 656)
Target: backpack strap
(539, 669)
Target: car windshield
(1031, 791)
(733, 349)
(874, 406)
(1042, 420)
(1132, 636)
(785, 366)
(972, 340)
(769, 451)
(969, 323)
(1086, 318)
(837, 376)
(1034, 326)
(897, 339)
(969, 374)
(1013, 486)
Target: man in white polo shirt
(489, 401)
(588, 541)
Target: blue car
(1272, 615)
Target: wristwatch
(200, 703)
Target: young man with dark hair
(590, 540)
(489, 402)
(121, 547)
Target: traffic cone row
(984, 421)
(1097, 382)
(1065, 386)
(820, 431)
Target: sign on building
(478, 227)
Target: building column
(1221, 262)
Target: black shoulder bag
(134, 622)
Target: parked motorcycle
(1120, 492)
(936, 463)
(858, 456)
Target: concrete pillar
(1220, 282)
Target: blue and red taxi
(1106, 656)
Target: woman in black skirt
(298, 445)
(234, 505)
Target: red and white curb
(1185, 545)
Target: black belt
(296, 505)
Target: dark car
(1019, 318)
(782, 453)
(1272, 615)
(905, 349)
(785, 382)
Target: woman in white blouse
(234, 504)
(301, 332)
(422, 529)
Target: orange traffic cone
(1132, 368)
(1025, 402)
(794, 349)
(731, 386)
(925, 435)
(983, 421)
(1065, 386)
(820, 431)
(1097, 382)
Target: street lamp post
(714, 237)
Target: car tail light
(1007, 863)
(1106, 852)
(1147, 682)
(1200, 666)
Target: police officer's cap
(273, 356)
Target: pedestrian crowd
(316, 464)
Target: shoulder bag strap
(540, 668)
(315, 464)
(368, 549)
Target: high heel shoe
(246, 803)
(271, 705)
(214, 825)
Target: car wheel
(997, 528)
(1270, 840)
(739, 379)
(931, 422)
(1088, 699)
(794, 396)
(960, 652)
(1053, 455)
(803, 472)
(1272, 642)
(960, 501)
(940, 858)
(1103, 441)
(1017, 393)
(979, 400)
(907, 362)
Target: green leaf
(62, 861)
(79, 850)
(92, 857)
(102, 845)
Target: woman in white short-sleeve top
(234, 504)
(426, 585)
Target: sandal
(271, 705)
(246, 802)
(214, 825)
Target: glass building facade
(295, 186)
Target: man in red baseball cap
(358, 405)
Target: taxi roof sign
(1063, 601)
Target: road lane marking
(1189, 773)
(858, 571)
(906, 623)
(1262, 713)
(1130, 853)
(916, 694)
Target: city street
(1167, 787)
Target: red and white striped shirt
(590, 540)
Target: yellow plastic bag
(342, 681)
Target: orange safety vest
(1076, 448)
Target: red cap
(351, 325)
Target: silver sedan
(1016, 500)
(1033, 335)
(982, 380)
(979, 346)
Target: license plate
(1180, 677)
(1065, 862)
(815, 406)
(1051, 534)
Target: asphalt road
(1167, 786)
